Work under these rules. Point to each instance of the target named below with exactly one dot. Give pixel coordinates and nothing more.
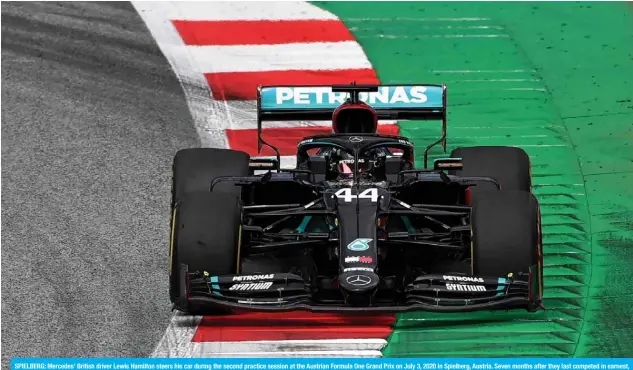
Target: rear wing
(317, 103)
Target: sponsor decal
(358, 245)
(357, 259)
(466, 287)
(251, 286)
(324, 95)
(351, 161)
(253, 277)
(355, 139)
(463, 278)
(358, 269)
(382, 183)
(449, 164)
(272, 301)
(261, 164)
(358, 280)
(306, 97)
(360, 160)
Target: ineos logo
(358, 280)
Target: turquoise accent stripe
(214, 279)
(407, 224)
(501, 286)
(304, 224)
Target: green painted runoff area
(555, 78)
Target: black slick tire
(205, 237)
(194, 169)
(510, 166)
(505, 233)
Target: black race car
(354, 226)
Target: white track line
(281, 57)
(282, 348)
(304, 345)
(209, 116)
(176, 342)
(249, 11)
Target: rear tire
(205, 236)
(510, 166)
(505, 233)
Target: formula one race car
(354, 226)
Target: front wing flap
(289, 292)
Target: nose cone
(358, 281)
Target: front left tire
(205, 237)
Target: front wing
(289, 292)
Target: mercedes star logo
(358, 280)
(355, 139)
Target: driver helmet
(355, 118)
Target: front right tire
(506, 235)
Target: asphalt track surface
(91, 117)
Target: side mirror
(446, 164)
